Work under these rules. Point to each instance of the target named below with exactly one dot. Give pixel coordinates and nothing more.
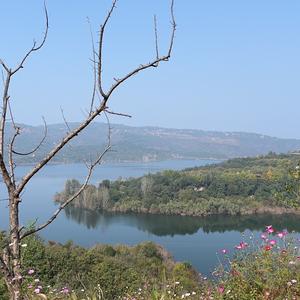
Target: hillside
(236, 187)
(148, 143)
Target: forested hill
(238, 186)
(148, 143)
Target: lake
(191, 239)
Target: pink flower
(221, 289)
(65, 290)
(37, 290)
(269, 229)
(224, 251)
(31, 271)
(282, 234)
(268, 248)
(263, 236)
(241, 246)
(272, 242)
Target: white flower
(293, 281)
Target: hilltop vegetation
(120, 270)
(147, 143)
(238, 186)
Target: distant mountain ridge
(148, 143)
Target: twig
(38, 146)
(101, 37)
(118, 114)
(34, 47)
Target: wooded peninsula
(238, 186)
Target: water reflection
(160, 225)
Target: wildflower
(224, 251)
(36, 280)
(241, 246)
(292, 262)
(270, 229)
(221, 289)
(65, 290)
(30, 272)
(193, 293)
(268, 247)
(37, 290)
(263, 236)
(272, 242)
(177, 282)
(282, 234)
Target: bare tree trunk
(14, 248)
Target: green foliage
(235, 187)
(117, 271)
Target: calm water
(196, 240)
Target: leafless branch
(10, 155)
(100, 51)
(156, 37)
(5, 99)
(174, 25)
(118, 114)
(64, 118)
(94, 70)
(102, 107)
(4, 66)
(153, 63)
(35, 47)
(82, 188)
(38, 146)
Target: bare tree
(10, 256)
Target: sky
(235, 64)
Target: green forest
(235, 187)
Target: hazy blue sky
(236, 64)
